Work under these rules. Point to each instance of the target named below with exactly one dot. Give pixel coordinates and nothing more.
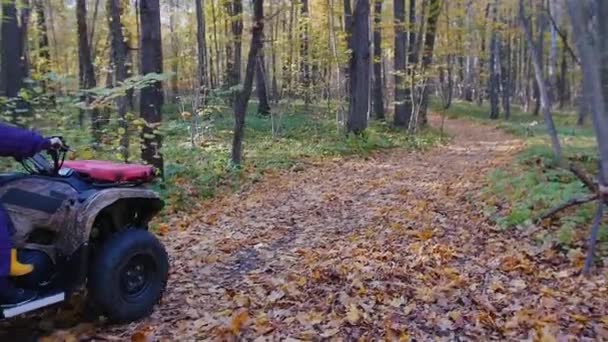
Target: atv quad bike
(85, 223)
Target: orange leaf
(239, 321)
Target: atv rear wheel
(128, 275)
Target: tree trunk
(402, 114)
(237, 34)
(202, 51)
(240, 108)
(44, 53)
(215, 42)
(85, 65)
(174, 8)
(119, 66)
(305, 53)
(261, 84)
(427, 58)
(11, 78)
(540, 80)
(506, 75)
(24, 19)
(378, 96)
(348, 23)
(151, 96)
(595, 75)
(359, 69)
(494, 79)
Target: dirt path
(388, 247)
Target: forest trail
(390, 246)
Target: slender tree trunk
(85, 65)
(240, 108)
(11, 77)
(494, 79)
(305, 64)
(44, 53)
(563, 79)
(24, 18)
(359, 69)
(261, 84)
(119, 64)
(402, 114)
(174, 8)
(232, 76)
(202, 51)
(427, 58)
(540, 80)
(506, 75)
(216, 46)
(237, 33)
(480, 79)
(348, 23)
(151, 96)
(377, 87)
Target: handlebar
(39, 164)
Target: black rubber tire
(107, 275)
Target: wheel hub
(135, 276)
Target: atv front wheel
(128, 275)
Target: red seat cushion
(105, 171)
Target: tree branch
(582, 175)
(593, 237)
(571, 203)
(563, 37)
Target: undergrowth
(533, 184)
(201, 169)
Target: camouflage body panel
(27, 217)
(42, 203)
(99, 201)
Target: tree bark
(402, 114)
(44, 53)
(359, 69)
(174, 61)
(119, 66)
(494, 79)
(378, 96)
(261, 84)
(305, 66)
(202, 51)
(240, 108)
(85, 65)
(540, 80)
(151, 96)
(427, 57)
(11, 77)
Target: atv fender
(101, 200)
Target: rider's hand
(56, 143)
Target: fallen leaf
(353, 315)
(239, 321)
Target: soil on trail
(391, 246)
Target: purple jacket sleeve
(20, 143)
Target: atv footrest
(36, 304)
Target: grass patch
(533, 184)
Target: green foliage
(534, 184)
(199, 171)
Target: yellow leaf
(425, 234)
(353, 315)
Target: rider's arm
(21, 143)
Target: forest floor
(391, 246)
